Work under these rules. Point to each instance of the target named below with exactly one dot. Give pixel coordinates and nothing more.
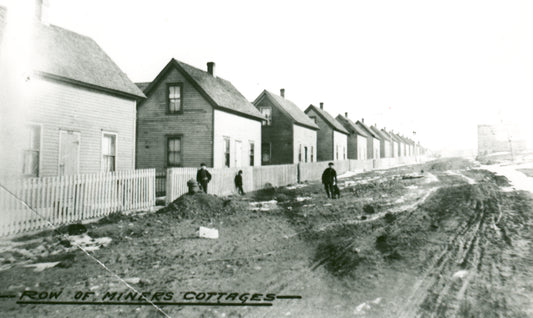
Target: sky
(437, 68)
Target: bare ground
(447, 242)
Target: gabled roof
(218, 91)
(289, 108)
(67, 56)
(366, 129)
(351, 126)
(387, 134)
(379, 133)
(142, 85)
(332, 122)
(396, 138)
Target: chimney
(282, 92)
(41, 11)
(321, 105)
(363, 120)
(211, 68)
(346, 114)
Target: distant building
(287, 135)
(357, 144)
(192, 116)
(332, 138)
(80, 108)
(501, 138)
(385, 150)
(373, 140)
(393, 144)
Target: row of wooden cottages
(86, 116)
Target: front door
(69, 150)
(238, 153)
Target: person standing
(203, 177)
(329, 179)
(238, 183)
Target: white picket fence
(35, 203)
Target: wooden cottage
(76, 108)
(393, 144)
(191, 116)
(287, 135)
(384, 143)
(373, 140)
(332, 137)
(357, 139)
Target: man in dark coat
(203, 177)
(238, 183)
(329, 179)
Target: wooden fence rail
(34, 203)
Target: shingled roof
(218, 91)
(378, 132)
(65, 55)
(369, 131)
(332, 122)
(350, 126)
(289, 108)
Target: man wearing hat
(203, 177)
(329, 179)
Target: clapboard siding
(279, 135)
(60, 106)
(324, 137)
(195, 125)
(304, 137)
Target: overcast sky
(435, 67)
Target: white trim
(59, 148)
(106, 132)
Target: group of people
(329, 179)
(203, 177)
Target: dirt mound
(202, 206)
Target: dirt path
(448, 242)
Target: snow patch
(300, 199)
(431, 178)
(362, 308)
(518, 179)
(263, 205)
(460, 274)
(88, 243)
(39, 267)
(296, 186)
(455, 173)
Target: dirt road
(451, 241)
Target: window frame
(251, 153)
(269, 152)
(227, 152)
(180, 111)
(115, 134)
(167, 139)
(266, 122)
(30, 126)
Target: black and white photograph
(252, 158)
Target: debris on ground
(201, 206)
(264, 205)
(205, 232)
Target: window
(174, 152)
(305, 154)
(313, 118)
(174, 98)
(32, 149)
(300, 154)
(312, 154)
(252, 153)
(109, 152)
(344, 153)
(267, 112)
(226, 152)
(337, 152)
(266, 155)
